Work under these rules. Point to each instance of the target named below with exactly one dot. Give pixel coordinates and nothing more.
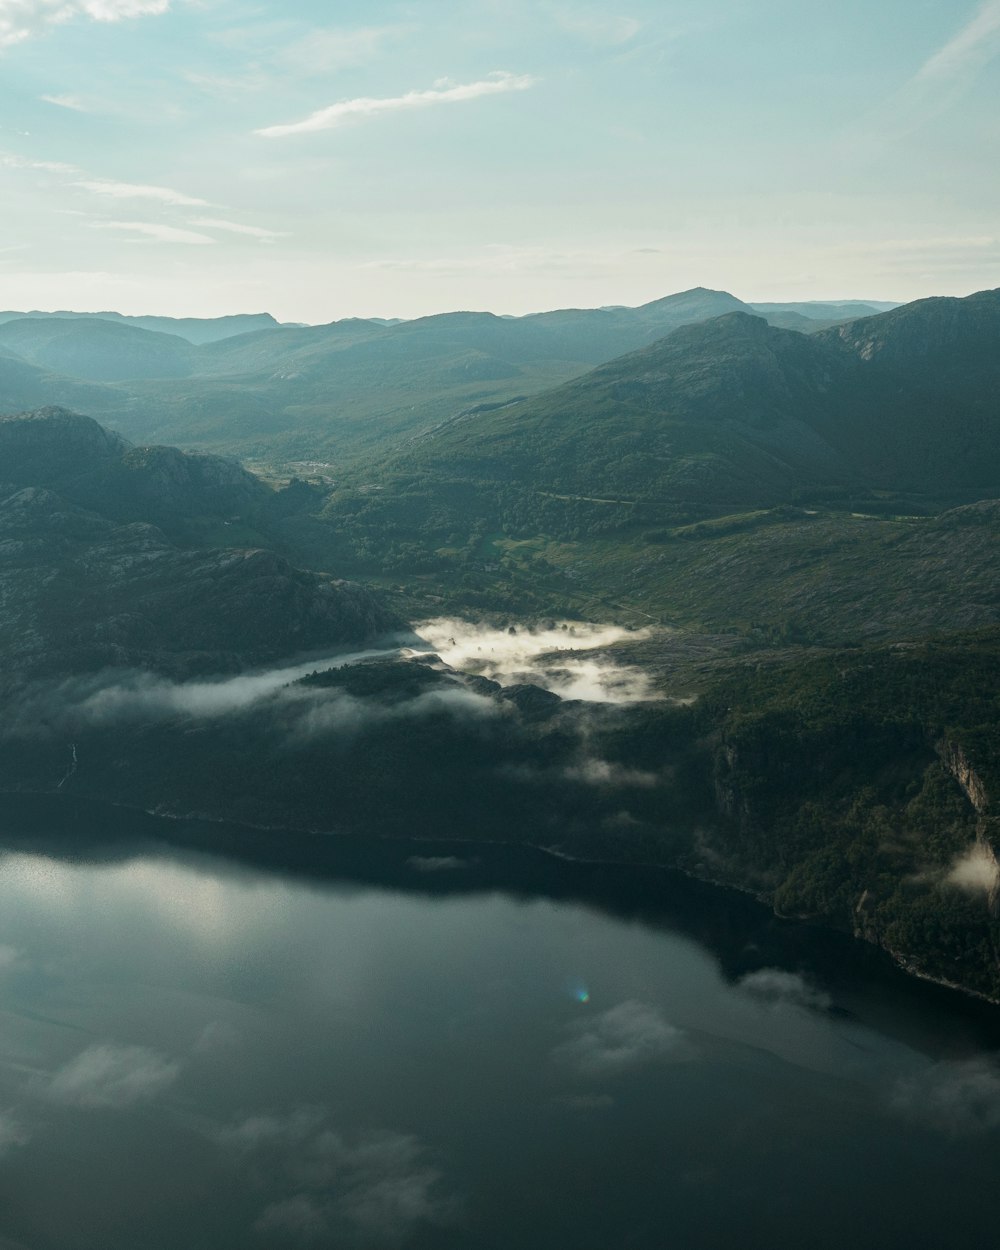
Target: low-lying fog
(566, 657)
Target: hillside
(193, 329)
(97, 350)
(726, 418)
(734, 411)
(106, 560)
(24, 386)
(95, 468)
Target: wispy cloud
(11, 1134)
(139, 191)
(21, 19)
(977, 43)
(943, 77)
(377, 1189)
(369, 106)
(325, 51)
(777, 987)
(71, 102)
(237, 227)
(11, 161)
(958, 1096)
(155, 230)
(628, 1036)
(596, 25)
(110, 1076)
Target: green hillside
(97, 350)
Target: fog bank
(563, 657)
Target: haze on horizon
(203, 157)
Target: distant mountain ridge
(97, 350)
(195, 329)
(330, 391)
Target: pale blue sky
(323, 160)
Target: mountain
(736, 412)
(97, 350)
(731, 473)
(103, 561)
(336, 393)
(193, 329)
(94, 468)
(819, 310)
(24, 386)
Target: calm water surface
(326, 1043)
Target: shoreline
(283, 834)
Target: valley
(784, 545)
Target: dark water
(325, 1043)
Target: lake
(302, 1041)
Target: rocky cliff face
(957, 762)
(960, 766)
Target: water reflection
(315, 1041)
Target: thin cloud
(324, 51)
(155, 230)
(376, 1189)
(775, 987)
(11, 1134)
(628, 1036)
(71, 102)
(236, 227)
(973, 47)
(113, 1077)
(23, 19)
(960, 1097)
(10, 161)
(139, 191)
(368, 106)
(596, 26)
(944, 76)
(10, 959)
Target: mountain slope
(97, 350)
(24, 386)
(194, 329)
(90, 579)
(715, 479)
(734, 411)
(95, 468)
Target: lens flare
(578, 991)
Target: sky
(322, 159)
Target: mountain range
(332, 392)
